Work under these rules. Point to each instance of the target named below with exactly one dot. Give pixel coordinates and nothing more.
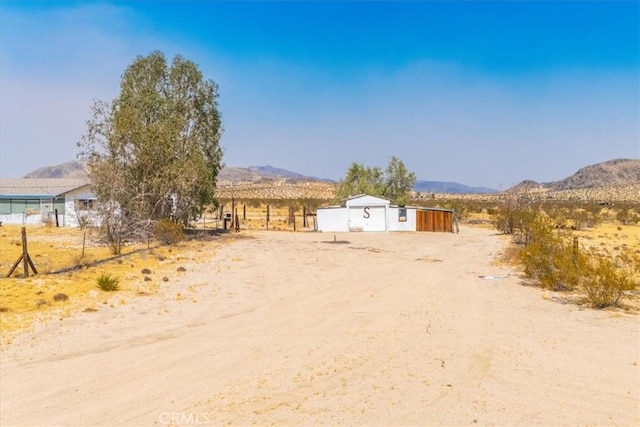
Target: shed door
(367, 218)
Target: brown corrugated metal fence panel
(439, 221)
(448, 222)
(421, 220)
(425, 220)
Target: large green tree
(398, 182)
(394, 183)
(361, 180)
(154, 151)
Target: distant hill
(612, 173)
(449, 187)
(76, 169)
(526, 185)
(271, 172)
(257, 173)
(72, 169)
(232, 174)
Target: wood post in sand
(305, 223)
(25, 258)
(267, 217)
(292, 218)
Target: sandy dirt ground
(292, 329)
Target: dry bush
(60, 297)
(550, 259)
(168, 232)
(587, 217)
(627, 216)
(515, 215)
(605, 283)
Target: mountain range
(614, 172)
(257, 173)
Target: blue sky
(481, 93)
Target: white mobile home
(369, 213)
(58, 201)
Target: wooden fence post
(25, 253)
(305, 223)
(25, 258)
(267, 217)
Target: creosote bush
(605, 283)
(551, 260)
(108, 283)
(627, 216)
(168, 232)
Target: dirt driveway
(294, 328)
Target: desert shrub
(108, 283)
(493, 211)
(60, 297)
(604, 283)
(558, 214)
(585, 217)
(460, 207)
(550, 259)
(168, 232)
(516, 221)
(505, 221)
(627, 216)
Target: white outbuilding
(370, 213)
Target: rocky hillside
(76, 169)
(72, 169)
(615, 180)
(257, 173)
(229, 174)
(525, 186)
(612, 173)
